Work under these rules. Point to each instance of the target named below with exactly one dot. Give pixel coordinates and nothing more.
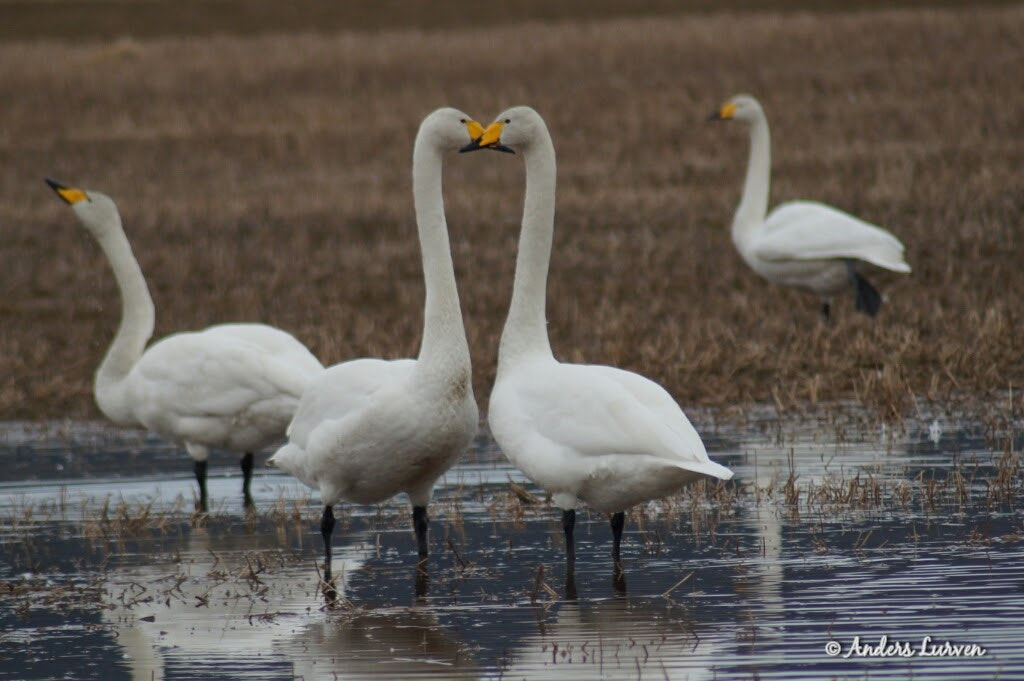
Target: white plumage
(804, 244)
(231, 386)
(597, 434)
(369, 429)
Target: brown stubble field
(265, 177)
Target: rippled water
(836, 529)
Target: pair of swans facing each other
(600, 435)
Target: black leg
(618, 522)
(619, 579)
(568, 525)
(826, 310)
(422, 580)
(570, 581)
(326, 529)
(247, 479)
(868, 299)
(200, 469)
(419, 523)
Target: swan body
(231, 386)
(597, 434)
(805, 244)
(368, 429)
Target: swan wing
(273, 340)
(593, 411)
(808, 230)
(341, 390)
(205, 387)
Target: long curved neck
(137, 319)
(526, 327)
(444, 345)
(753, 206)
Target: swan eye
(462, 120)
(507, 121)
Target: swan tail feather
(708, 468)
(283, 457)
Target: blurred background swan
(803, 243)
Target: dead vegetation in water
(267, 178)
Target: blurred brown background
(260, 155)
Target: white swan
(803, 243)
(598, 434)
(231, 386)
(368, 429)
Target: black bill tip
(475, 146)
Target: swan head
(513, 129)
(742, 108)
(449, 129)
(96, 211)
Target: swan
(230, 386)
(368, 429)
(597, 434)
(803, 243)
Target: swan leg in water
(247, 464)
(618, 522)
(619, 579)
(420, 521)
(568, 527)
(326, 530)
(200, 471)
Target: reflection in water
(231, 600)
(617, 638)
(226, 599)
(394, 644)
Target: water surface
(836, 528)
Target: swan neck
(753, 206)
(444, 342)
(137, 319)
(526, 327)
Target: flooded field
(837, 532)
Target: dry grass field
(264, 175)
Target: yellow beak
(70, 195)
(475, 129)
(492, 135)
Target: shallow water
(836, 528)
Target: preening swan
(803, 243)
(368, 429)
(597, 434)
(231, 386)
